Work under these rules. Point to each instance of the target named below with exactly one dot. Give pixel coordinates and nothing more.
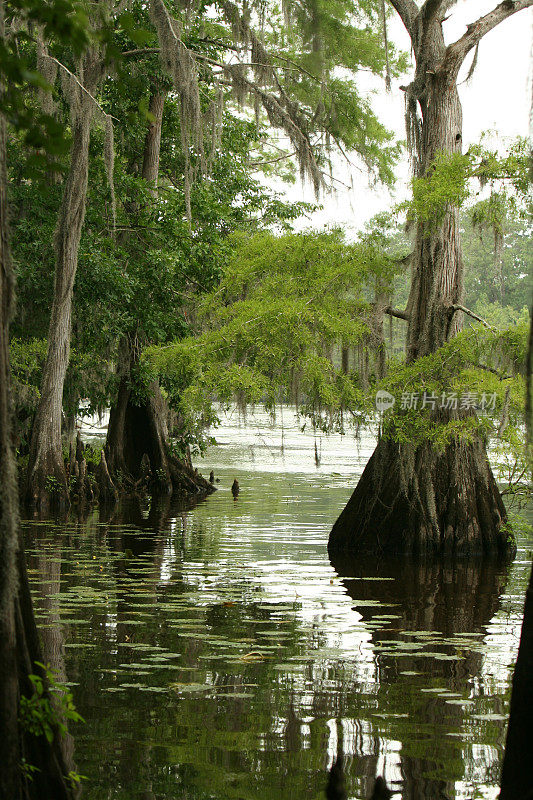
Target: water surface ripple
(216, 653)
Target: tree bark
(412, 498)
(19, 643)
(9, 741)
(152, 141)
(417, 501)
(46, 480)
(138, 425)
(107, 491)
(138, 429)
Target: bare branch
(393, 312)
(456, 308)
(81, 86)
(457, 52)
(262, 163)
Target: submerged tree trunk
(412, 498)
(46, 481)
(19, 643)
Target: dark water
(216, 652)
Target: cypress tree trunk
(46, 481)
(19, 643)
(138, 425)
(152, 141)
(411, 498)
(138, 430)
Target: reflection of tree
(517, 775)
(258, 728)
(47, 565)
(447, 599)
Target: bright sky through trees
(497, 98)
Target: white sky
(497, 98)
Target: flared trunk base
(138, 453)
(418, 501)
(46, 487)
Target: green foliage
(141, 276)
(88, 377)
(445, 185)
(28, 770)
(497, 253)
(147, 277)
(518, 527)
(62, 22)
(272, 330)
(26, 359)
(52, 485)
(317, 51)
(92, 455)
(452, 181)
(483, 365)
(50, 706)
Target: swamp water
(216, 653)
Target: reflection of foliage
(190, 603)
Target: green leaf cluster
(489, 363)
(272, 330)
(50, 706)
(453, 178)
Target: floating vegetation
(202, 656)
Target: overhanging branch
(457, 52)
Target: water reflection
(47, 566)
(419, 615)
(217, 653)
(194, 677)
